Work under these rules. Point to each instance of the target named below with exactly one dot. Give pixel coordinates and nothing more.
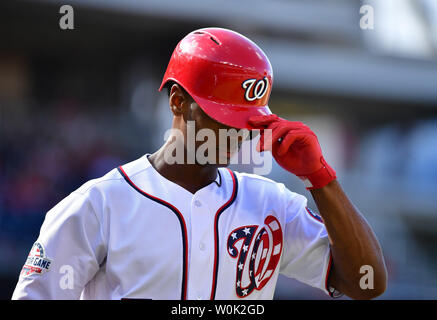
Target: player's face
(225, 141)
(228, 140)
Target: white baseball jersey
(134, 234)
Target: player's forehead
(208, 119)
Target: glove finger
(265, 135)
(278, 132)
(260, 144)
(296, 125)
(289, 139)
(264, 143)
(292, 137)
(262, 121)
(275, 124)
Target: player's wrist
(319, 178)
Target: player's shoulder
(255, 179)
(114, 179)
(97, 194)
(251, 182)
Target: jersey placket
(204, 204)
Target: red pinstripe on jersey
(183, 229)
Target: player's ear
(179, 100)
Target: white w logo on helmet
(257, 91)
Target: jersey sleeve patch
(36, 262)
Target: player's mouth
(226, 152)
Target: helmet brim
(235, 116)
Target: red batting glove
(296, 149)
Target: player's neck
(191, 177)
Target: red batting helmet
(227, 74)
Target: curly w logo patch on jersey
(263, 258)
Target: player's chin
(215, 163)
(224, 158)
(221, 158)
(223, 165)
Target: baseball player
(152, 229)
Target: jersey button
(202, 246)
(197, 203)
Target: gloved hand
(296, 149)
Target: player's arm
(353, 244)
(66, 255)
